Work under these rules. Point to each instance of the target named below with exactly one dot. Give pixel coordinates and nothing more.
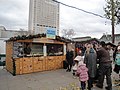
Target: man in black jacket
(69, 58)
(105, 67)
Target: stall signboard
(51, 33)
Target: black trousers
(90, 83)
(105, 69)
(83, 85)
(69, 67)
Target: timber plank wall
(25, 65)
(37, 64)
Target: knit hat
(111, 44)
(102, 43)
(77, 58)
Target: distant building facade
(5, 35)
(108, 38)
(43, 14)
(79, 39)
(87, 39)
(10, 33)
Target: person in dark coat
(27, 49)
(105, 67)
(69, 58)
(90, 60)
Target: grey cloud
(83, 23)
(14, 14)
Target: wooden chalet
(34, 53)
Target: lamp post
(113, 22)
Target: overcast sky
(14, 15)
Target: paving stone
(48, 80)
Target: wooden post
(45, 50)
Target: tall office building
(43, 14)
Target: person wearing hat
(105, 67)
(74, 67)
(79, 58)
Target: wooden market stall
(34, 53)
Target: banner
(51, 33)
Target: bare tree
(110, 11)
(68, 33)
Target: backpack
(117, 59)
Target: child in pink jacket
(82, 72)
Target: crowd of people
(94, 64)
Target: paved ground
(48, 80)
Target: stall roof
(88, 40)
(31, 37)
